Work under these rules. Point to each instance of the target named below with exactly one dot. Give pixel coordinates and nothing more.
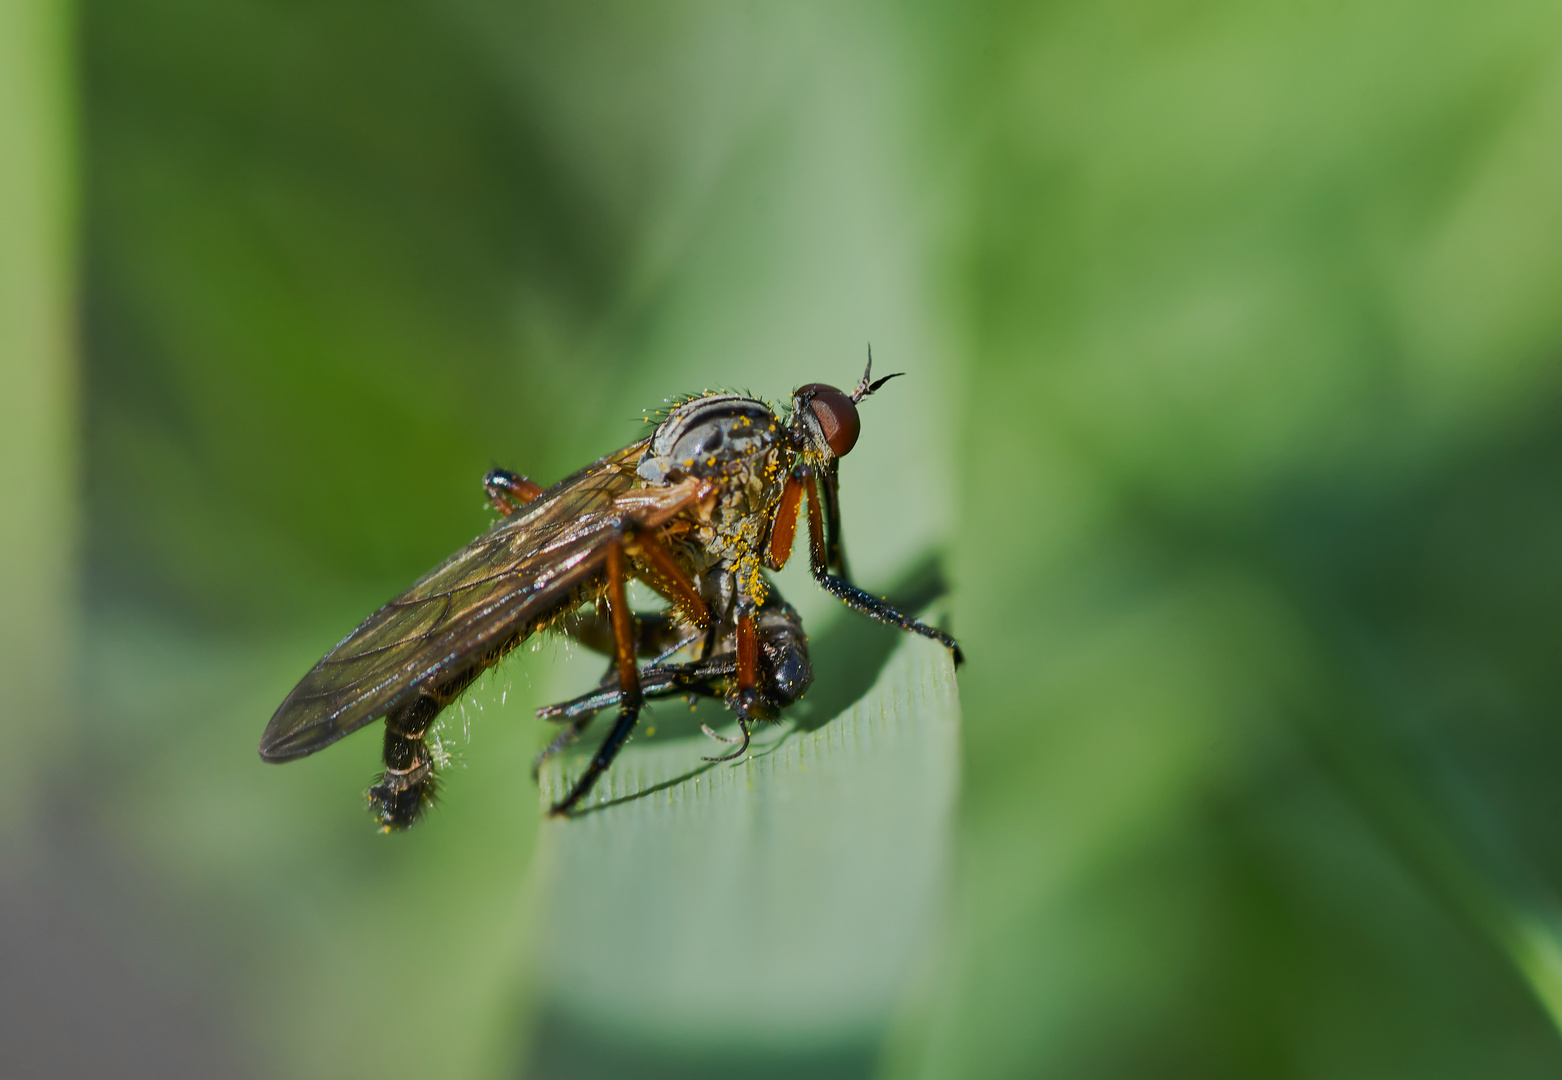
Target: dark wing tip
(283, 748)
(290, 735)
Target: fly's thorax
(715, 437)
(736, 443)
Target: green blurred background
(1233, 418)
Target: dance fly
(699, 511)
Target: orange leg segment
(623, 627)
(816, 552)
(748, 653)
(784, 528)
(651, 550)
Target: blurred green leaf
(1233, 396)
(38, 457)
(1249, 434)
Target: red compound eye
(837, 415)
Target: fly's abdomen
(406, 787)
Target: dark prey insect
(697, 511)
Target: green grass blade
(801, 880)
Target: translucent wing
(463, 614)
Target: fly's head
(824, 424)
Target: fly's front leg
(745, 696)
(783, 526)
(834, 546)
(509, 491)
(819, 550)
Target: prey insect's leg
(853, 597)
(700, 678)
(777, 655)
(509, 491)
(740, 751)
(565, 737)
(628, 682)
(657, 637)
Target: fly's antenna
(868, 384)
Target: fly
(699, 511)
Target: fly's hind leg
(643, 513)
(629, 698)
